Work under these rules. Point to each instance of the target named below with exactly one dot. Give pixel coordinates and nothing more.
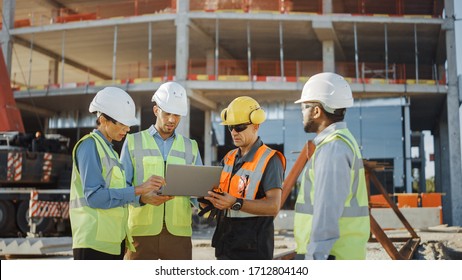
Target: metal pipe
(217, 47)
(386, 52)
(150, 50)
(281, 48)
(416, 55)
(114, 54)
(63, 44)
(356, 52)
(249, 53)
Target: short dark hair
(98, 123)
(337, 116)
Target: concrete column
(327, 7)
(437, 156)
(182, 55)
(53, 71)
(208, 149)
(407, 148)
(454, 165)
(328, 56)
(443, 160)
(182, 40)
(8, 9)
(210, 62)
(183, 126)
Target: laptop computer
(190, 180)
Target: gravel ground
(437, 243)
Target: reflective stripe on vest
(351, 210)
(107, 162)
(247, 178)
(99, 229)
(140, 151)
(354, 223)
(148, 160)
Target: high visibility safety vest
(244, 184)
(99, 229)
(354, 224)
(147, 161)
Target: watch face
(237, 205)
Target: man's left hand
(222, 200)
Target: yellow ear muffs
(224, 114)
(257, 116)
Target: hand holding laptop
(154, 198)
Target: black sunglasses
(238, 128)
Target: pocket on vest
(182, 214)
(242, 239)
(152, 166)
(140, 216)
(111, 225)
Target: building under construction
(399, 57)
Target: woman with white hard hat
(99, 193)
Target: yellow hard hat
(243, 109)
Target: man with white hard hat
(161, 228)
(331, 212)
(99, 193)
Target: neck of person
(245, 149)
(104, 132)
(162, 134)
(323, 125)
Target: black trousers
(90, 254)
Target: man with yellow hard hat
(250, 187)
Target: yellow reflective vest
(354, 225)
(147, 160)
(99, 229)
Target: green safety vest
(354, 225)
(99, 229)
(147, 161)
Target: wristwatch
(238, 204)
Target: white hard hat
(330, 89)
(171, 98)
(116, 103)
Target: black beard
(309, 127)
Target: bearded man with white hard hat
(331, 212)
(162, 225)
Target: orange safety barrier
(408, 200)
(76, 17)
(433, 200)
(378, 201)
(19, 23)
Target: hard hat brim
(130, 122)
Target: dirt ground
(437, 243)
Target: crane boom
(10, 116)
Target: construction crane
(34, 185)
(10, 116)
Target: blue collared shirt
(97, 194)
(164, 146)
(332, 179)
